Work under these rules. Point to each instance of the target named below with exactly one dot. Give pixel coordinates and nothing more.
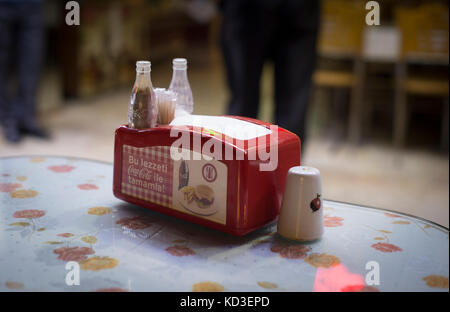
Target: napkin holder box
(233, 196)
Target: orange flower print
(323, 260)
(386, 247)
(436, 281)
(391, 215)
(136, 223)
(401, 222)
(65, 235)
(61, 168)
(180, 251)
(23, 194)
(291, 251)
(267, 285)
(9, 187)
(207, 286)
(99, 211)
(37, 159)
(87, 187)
(29, 214)
(73, 253)
(98, 263)
(14, 285)
(332, 221)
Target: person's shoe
(11, 131)
(31, 127)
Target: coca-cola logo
(209, 173)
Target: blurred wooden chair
(340, 39)
(425, 40)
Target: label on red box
(147, 174)
(192, 185)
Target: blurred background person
(21, 43)
(283, 31)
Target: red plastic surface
(253, 196)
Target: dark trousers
(21, 40)
(283, 31)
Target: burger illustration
(204, 196)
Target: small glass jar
(142, 109)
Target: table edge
(356, 206)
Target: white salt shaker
(301, 216)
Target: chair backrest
(425, 31)
(342, 23)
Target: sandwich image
(204, 196)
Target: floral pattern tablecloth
(54, 210)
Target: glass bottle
(142, 110)
(183, 175)
(180, 86)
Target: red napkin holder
(229, 195)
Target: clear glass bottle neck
(143, 79)
(179, 73)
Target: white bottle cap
(143, 66)
(179, 63)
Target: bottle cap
(143, 66)
(179, 63)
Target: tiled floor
(414, 182)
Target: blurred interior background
(378, 118)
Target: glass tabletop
(59, 220)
